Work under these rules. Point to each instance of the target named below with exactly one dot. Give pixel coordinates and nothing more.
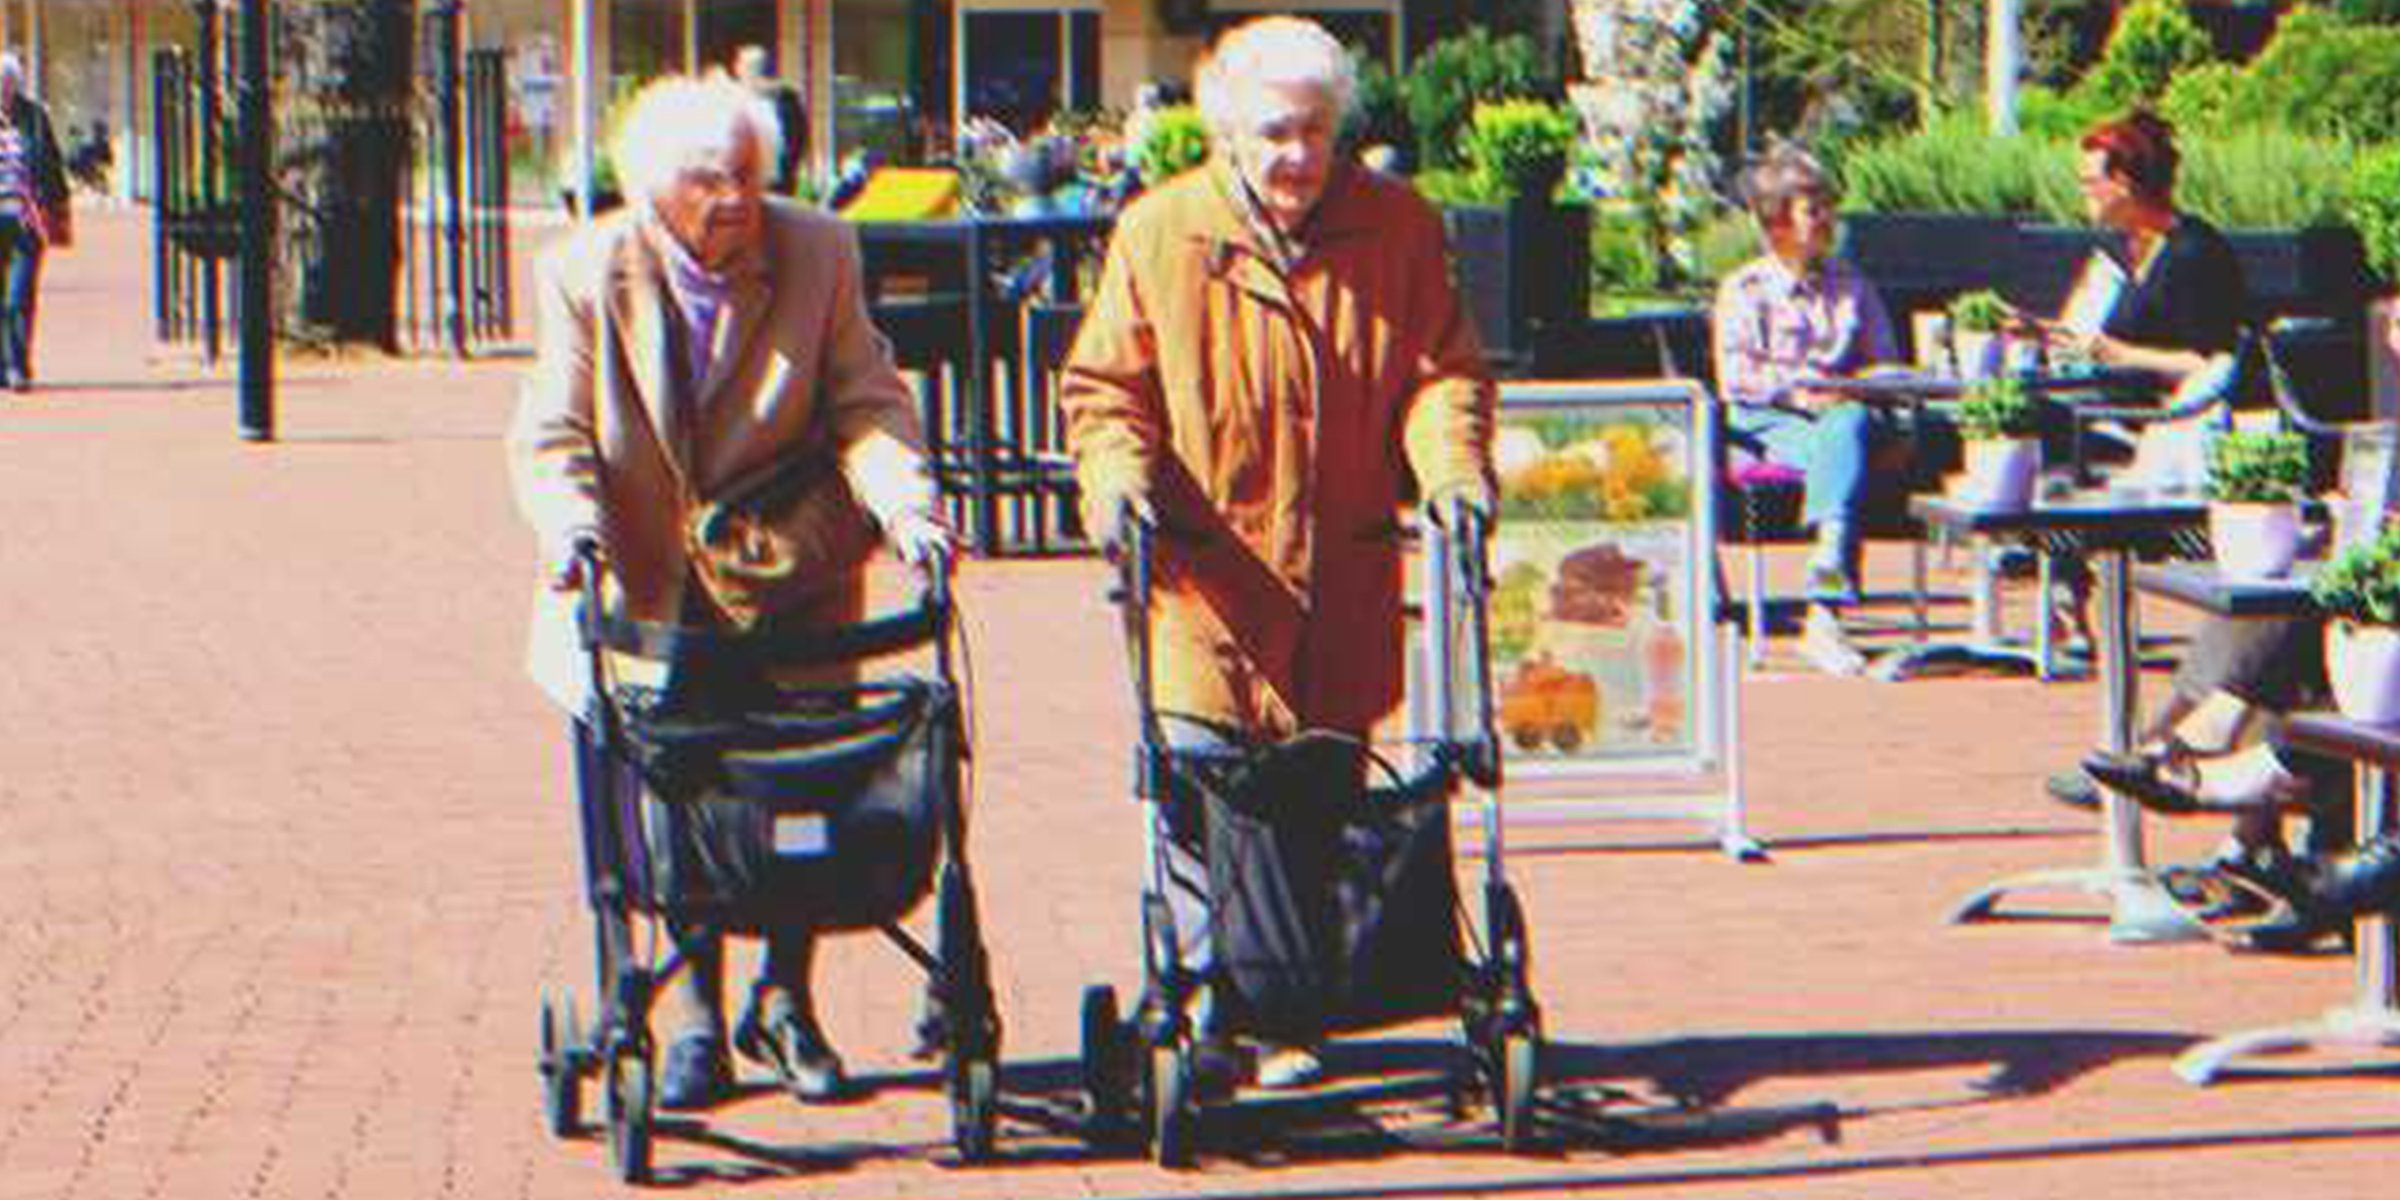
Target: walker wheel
(629, 1115)
(1518, 1069)
(974, 1107)
(562, 1081)
(1171, 1106)
(1107, 1079)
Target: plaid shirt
(1773, 327)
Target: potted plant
(2359, 593)
(2254, 483)
(1998, 420)
(1976, 319)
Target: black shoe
(2366, 881)
(696, 1073)
(2074, 789)
(776, 1033)
(2142, 778)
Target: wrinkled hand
(1473, 494)
(922, 541)
(562, 563)
(1113, 519)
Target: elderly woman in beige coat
(697, 338)
(1275, 363)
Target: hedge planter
(2254, 541)
(2363, 664)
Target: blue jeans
(1832, 446)
(20, 274)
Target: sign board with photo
(1606, 659)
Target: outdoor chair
(1759, 503)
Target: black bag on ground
(1334, 903)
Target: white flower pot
(2000, 474)
(2363, 664)
(2254, 541)
(1980, 353)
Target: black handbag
(829, 804)
(1334, 903)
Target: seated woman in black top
(2185, 303)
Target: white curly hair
(1270, 52)
(682, 121)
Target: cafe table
(2371, 1019)
(2110, 525)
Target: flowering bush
(1656, 79)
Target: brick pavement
(286, 856)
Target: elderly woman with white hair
(687, 343)
(1801, 311)
(34, 215)
(1274, 364)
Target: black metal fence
(453, 222)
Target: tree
(345, 75)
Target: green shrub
(1622, 258)
(1173, 140)
(1513, 144)
(2362, 583)
(2373, 207)
(1978, 311)
(1955, 166)
(1380, 113)
(1446, 82)
(2208, 98)
(2153, 40)
(2050, 114)
(1996, 409)
(2321, 75)
(2248, 178)
(2260, 178)
(1454, 188)
(2265, 466)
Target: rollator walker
(1392, 943)
(722, 800)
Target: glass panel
(872, 109)
(1014, 70)
(83, 78)
(1083, 41)
(541, 117)
(645, 40)
(1368, 31)
(729, 25)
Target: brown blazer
(799, 370)
(1284, 417)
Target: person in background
(1796, 312)
(791, 116)
(34, 217)
(1274, 364)
(663, 378)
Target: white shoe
(1289, 1067)
(1827, 646)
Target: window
(728, 25)
(1368, 27)
(1023, 67)
(872, 107)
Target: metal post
(258, 231)
(210, 199)
(446, 84)
(586, 111)
(2004, 52)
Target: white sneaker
(1827, 646)
(1289, 1067)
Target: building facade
(894, 76)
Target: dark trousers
(20, 276)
